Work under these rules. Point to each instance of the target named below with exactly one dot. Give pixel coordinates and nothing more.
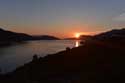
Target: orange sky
(62, 18)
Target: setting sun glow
(77, 35)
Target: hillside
(13, 36)
(9, 36)
(44, 37)
(113, 35)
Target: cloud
(121, 17)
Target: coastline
(82, 64)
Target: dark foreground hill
(94, 62)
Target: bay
(16, 55)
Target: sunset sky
(62, 18)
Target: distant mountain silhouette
(85, 37)
(9, 36)
(45, 37)
(13, 36)
(71, 38)
(113, 35)
(80, 38)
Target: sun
(77, 35)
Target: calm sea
(16, 55)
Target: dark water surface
(16, 55)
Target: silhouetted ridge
(8, 36)
(80, 38)
(113, 35)
(13, 36)
(45, 37)
(1, 30)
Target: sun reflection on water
(76, 43)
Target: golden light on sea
(76, 43)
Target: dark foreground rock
(94, 62)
